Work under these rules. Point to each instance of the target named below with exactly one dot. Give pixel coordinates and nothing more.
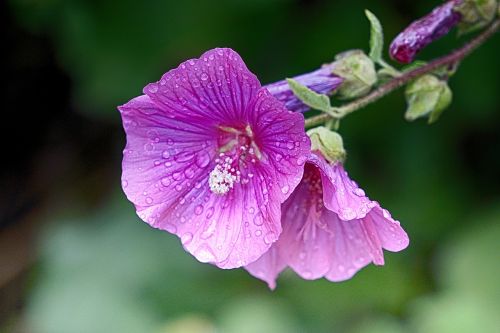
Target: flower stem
(448, 60)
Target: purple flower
(322, 81)
(330, 228)
(210, 157)
(424, 31)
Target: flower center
(237, 151)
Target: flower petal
(343, 196)
(355, 244)
(268, 267)
(218, 85)
(391, 234)
(305, 242)
(173, 142)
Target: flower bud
(358, 72)
(424, 31)
(328, 142)
(427, 96)
(476, 14)
(321, 81)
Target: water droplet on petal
(178, 187)
(209, 229)
(170, 228)
(278, 157)
(258, 219)
(269, 238)
(359, 192)
(210, 212)
(202, 159)
(149, 200)
(285, 189)
(165, 154)
(347, 213)
(205, 254)
(165, 181)
(186, 238)
(198, 210)
(204, 76)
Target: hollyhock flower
(424, 31)
(322, 81)
(210, 156)
(331, 228)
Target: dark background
(75, 258)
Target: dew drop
(153, 88)
(165, 181)
(165, 154)
(149, 200)
(149, 146)
(177, 175)
(251, 210)
(269, 238)
(210, 212)
(202, 159)
(285, 189)
(347, 213)
(290, 145)
(258, 233)
(278, 157)
(178, 187)
(301, 160)
(307, 274)
(198, 210)
(359, 192)
(209, 230)
(205, 254)
(258, 219)
(186, 238)
(171, 228)
(189, 173)
(204, 76)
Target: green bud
(328, 142)
(358, 72)
(476, 14)
(427, 96)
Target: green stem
(450, 59)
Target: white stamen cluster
(223, 176)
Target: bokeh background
(74, 257)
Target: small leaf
(310, 97)
(376, 37)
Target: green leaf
(376, 37)
(309, 97)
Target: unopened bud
(427, 96)
(358, 72)
(328, 142)
(476, 14)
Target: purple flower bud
(322, 81)
(424, 31)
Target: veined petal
(305, 241)
(202, 158)
(216, 86)
(391, 234)
(268, 267)
(343, 196)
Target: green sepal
(376, 37)
(476, 14)
(358, 72)
(328, 142)
(309, 97)
(427, 96)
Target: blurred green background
(74, 257)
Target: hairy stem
(448, 60)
